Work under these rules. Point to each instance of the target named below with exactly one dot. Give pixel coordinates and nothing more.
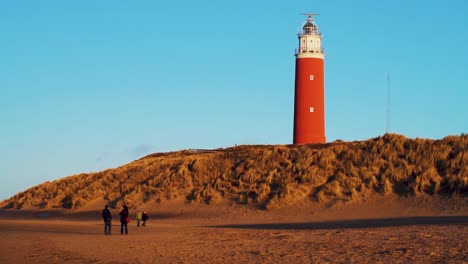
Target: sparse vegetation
(270, 176)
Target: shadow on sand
(360, 223)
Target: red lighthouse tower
(309, 99)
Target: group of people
(141, 217)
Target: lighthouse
(309, 98)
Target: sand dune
(268, 177)
(384, 200)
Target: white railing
(300, 34)
(322, 50)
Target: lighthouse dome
(310, 27)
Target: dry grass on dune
(270, 176)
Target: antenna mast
(310, 16)
(388, 102)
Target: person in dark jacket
(124, 219)
(144, 217)
(107, 217)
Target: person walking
(138, 217)
(124, 219)
(144, 217)
(107, 217)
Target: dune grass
(270, 176)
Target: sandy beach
(392, 232)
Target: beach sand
(381, 231)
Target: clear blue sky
(90, 85)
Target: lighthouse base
(309, 140)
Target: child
(138, 217)
(144, 217)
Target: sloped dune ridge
(269, 176)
